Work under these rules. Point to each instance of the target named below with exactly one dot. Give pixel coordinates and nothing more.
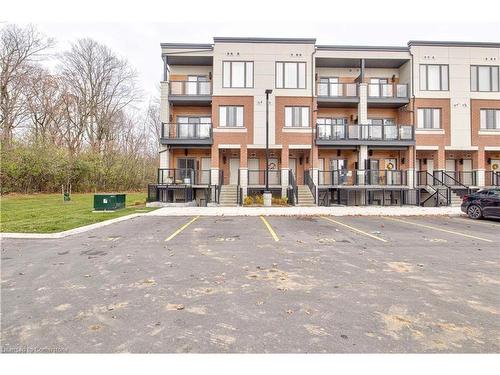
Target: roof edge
(362, 48)
(187, 45)
(441, 43)
(265, 40)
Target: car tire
(474, 212)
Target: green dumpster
(109, 202)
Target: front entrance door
(253, 172)
(339, 171)
(321, 171)
(374, 171)
(205, 171)
(467, 172)
(274, 172)
(391, 177)
(495, 172)
(234, 169)
(430, 170)
(292, 165)
(450, 170)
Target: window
(297, 117)
(429, 118)
(490, 118)
(433, 77)
(381, 121)
(484, 78)
(237, 74)
(291, 75)
(231, 116)
(193, 127)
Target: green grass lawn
(47, 213)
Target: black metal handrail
(337, 90)
(256, 177)
(387, 90)
(294, 188)
(190, 88)
(186, 130)
(183, 176)
(451, 181)
(437, 195)
(308, 180)
(370, 132)
(492, 178)
(466, 178)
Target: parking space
(257, 284)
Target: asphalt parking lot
(253, 284)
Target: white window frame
(483, 116)
(435, 118)
(297, 117)
(494, 85)
(280, 70)
(225, 116)
(227, 74)
(444, 84)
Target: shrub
(259, 199)
(248, 201)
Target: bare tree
(20, 48)
(153, 121)
(104, 84)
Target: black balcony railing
(467, 178)
(187, 131)
(190, 88)
(337, 90)
(369, 132)
(492, 178)
(388, 90)
(183, 176)
(362, 177)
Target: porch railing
(363, 177)
(257, 177)
(492, 178)
(337, 90)
(369, 132)
(186, 130)
(387, 90)
(183, 176)
(190, 88)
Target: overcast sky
(135, 29)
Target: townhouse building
(417, 124)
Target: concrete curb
(69, 232)
(254, 211)
(306, 211)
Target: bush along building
(349, 125)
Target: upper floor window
(490, 118)
(297, 117)
(231, 116)
(484, 78)
(381, 121)
(237, 74)
(433, 77)
(291, 75)
(429, 118)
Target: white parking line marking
(439, 229)
(354, 229)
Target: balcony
(186, 134)
(388, 94)
(183, 176)
(359, 177)
(337, 94)
(353, 135)
(190, 92)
